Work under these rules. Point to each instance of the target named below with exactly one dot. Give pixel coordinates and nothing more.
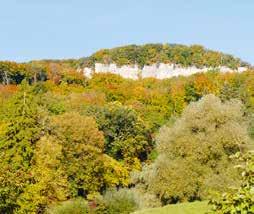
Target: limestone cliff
(159, 71)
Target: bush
(241, 200)
(121, 201)
(74, 206)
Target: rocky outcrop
(158, 71)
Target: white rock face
(241, 69)
(88, 72)
(158, 71)
(125, 71)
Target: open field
(183, 208)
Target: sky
(57, 29)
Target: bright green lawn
(183, 208)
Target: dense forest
(65, 70)
(109, 145)
(195, 55)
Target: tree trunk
(6, 79)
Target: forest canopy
(194, 55)
(109, 145)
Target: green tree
(194, 153)
(87, 168)
(127, 136)
(82, 145)
(49, 180)
(23, 127)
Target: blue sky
(39, 29)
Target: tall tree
(194, 153)
(23, 127)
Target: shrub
(74, 206)
(121, 201)
(241, 200)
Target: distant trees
(194, 153)
(14, 73)
(148, 54)
(66, 70)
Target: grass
(183, 208)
